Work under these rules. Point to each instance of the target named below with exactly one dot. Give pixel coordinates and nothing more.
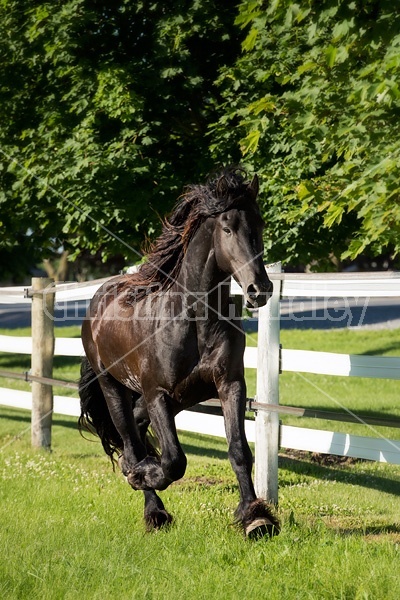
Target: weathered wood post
(42, 360)
(267, 423)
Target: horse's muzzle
(257, 295)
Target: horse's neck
(200, 273)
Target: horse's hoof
(259, 520)
(159, 519)
(261, 528)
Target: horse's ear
(254, 185)
(222, 187)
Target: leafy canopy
(313, 103)
(105, 108)
(109, 108)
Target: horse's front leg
(150, 473)
(253, 513)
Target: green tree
(313, 105)
(105, 109)
(110, 106)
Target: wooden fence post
(42, 360)
(267, 423)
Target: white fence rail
(298, 438)
(23, 345)
(336, 285)
(327, 286)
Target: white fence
(268, 359)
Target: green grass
(71, 528)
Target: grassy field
(71, 528)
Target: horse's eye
(226, 230)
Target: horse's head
(239, 247)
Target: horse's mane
(197, 203)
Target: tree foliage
(313, 103)
(105, 108)
(110, 107)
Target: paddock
(269, 359)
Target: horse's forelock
(231, 188)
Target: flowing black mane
(197, 203)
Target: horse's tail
(95, 416)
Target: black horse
(167, 337)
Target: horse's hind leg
(155, 515)
(120, 406)
(131, 421)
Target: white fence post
(42, 360)
(267, 423)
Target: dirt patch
(375, 532)
(394, 538)
(321, 459)
(332, 459)
(200, 481)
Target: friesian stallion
(167, 337)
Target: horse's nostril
(252, 291)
